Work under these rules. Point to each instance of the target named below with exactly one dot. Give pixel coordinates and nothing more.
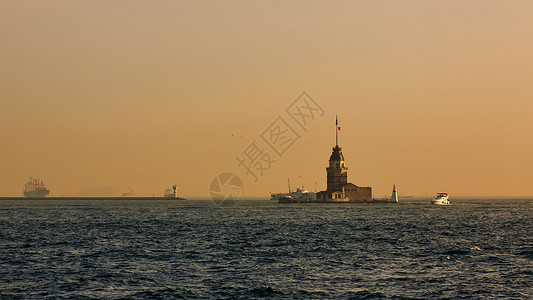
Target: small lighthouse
(394, 197)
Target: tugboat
(441, 199)
(35, 188)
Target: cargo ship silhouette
(35, 188)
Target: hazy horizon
(433, 96)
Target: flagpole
(336, 131)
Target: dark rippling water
(255, 249)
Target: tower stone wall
(357, 193)
(337, 172)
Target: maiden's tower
(338, 187)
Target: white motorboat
(441, 199)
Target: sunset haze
(433, 96)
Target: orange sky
(431, 95)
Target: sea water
(261, 249)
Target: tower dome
(336, 155)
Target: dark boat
(35, 188)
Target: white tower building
(394, 197)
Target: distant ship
(297, 197)
(441, 199)
(394, 197)
(300, 195)
(128, 193)
(35, 188)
